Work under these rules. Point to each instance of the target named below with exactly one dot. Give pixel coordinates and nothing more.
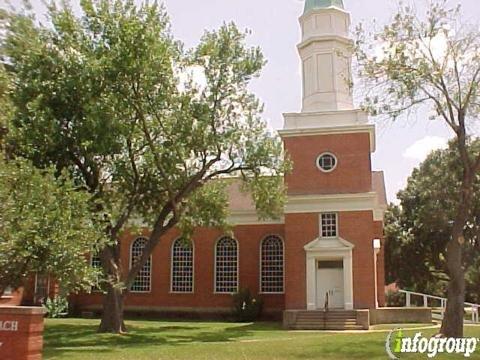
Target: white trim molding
(329, 249)
(7, 293)
(329, 37)
(250, 217)
(324, 119)
(235, 217)
(298, 204)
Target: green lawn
(77, 339)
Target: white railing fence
(437, 302)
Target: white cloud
(421, 148)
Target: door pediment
(328, 244)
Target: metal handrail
(443, 303)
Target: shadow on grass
(63, 337)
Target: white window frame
(317, 162)
(171, 268)
(215, 266)
(95, 288)
(151, 268)
(7, 293)
(261, 265)
(35, 300)
(321, 225)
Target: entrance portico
(329, 270)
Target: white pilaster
(348, 280)
(311, 283)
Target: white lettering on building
(8, 325)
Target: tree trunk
(452, 324)
(112, 316)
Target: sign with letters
(8, 325)
(21, 332)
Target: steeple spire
(322, 4)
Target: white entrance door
(330, 281)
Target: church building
(329, 241)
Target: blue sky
(274, 25)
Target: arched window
(143, 280)
(182, 266)
(271, 265)
(226, 265)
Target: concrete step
(348, 312)
(309, 323)
(326, 318)
(330, 327)
(323, 320)
(321, 316)
(313, 313)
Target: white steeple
(325, 51)
(326, 54)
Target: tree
(112, 98)
(419, 229)
(434, 61)
(46, 227)
(6, 107)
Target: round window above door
(327, 162)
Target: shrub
(246, 308)
(395, 299)
(56, 307)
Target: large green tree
(146, 127)
(46, 227)
(431, 61)
(6, 106)
(420, 227)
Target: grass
(74, 339)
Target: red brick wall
(300, 229)
(248, 237)
(355, 227)
(353, 172)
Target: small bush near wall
(394, 299)
(56, 307)
(246, 308)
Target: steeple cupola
(325, 51)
